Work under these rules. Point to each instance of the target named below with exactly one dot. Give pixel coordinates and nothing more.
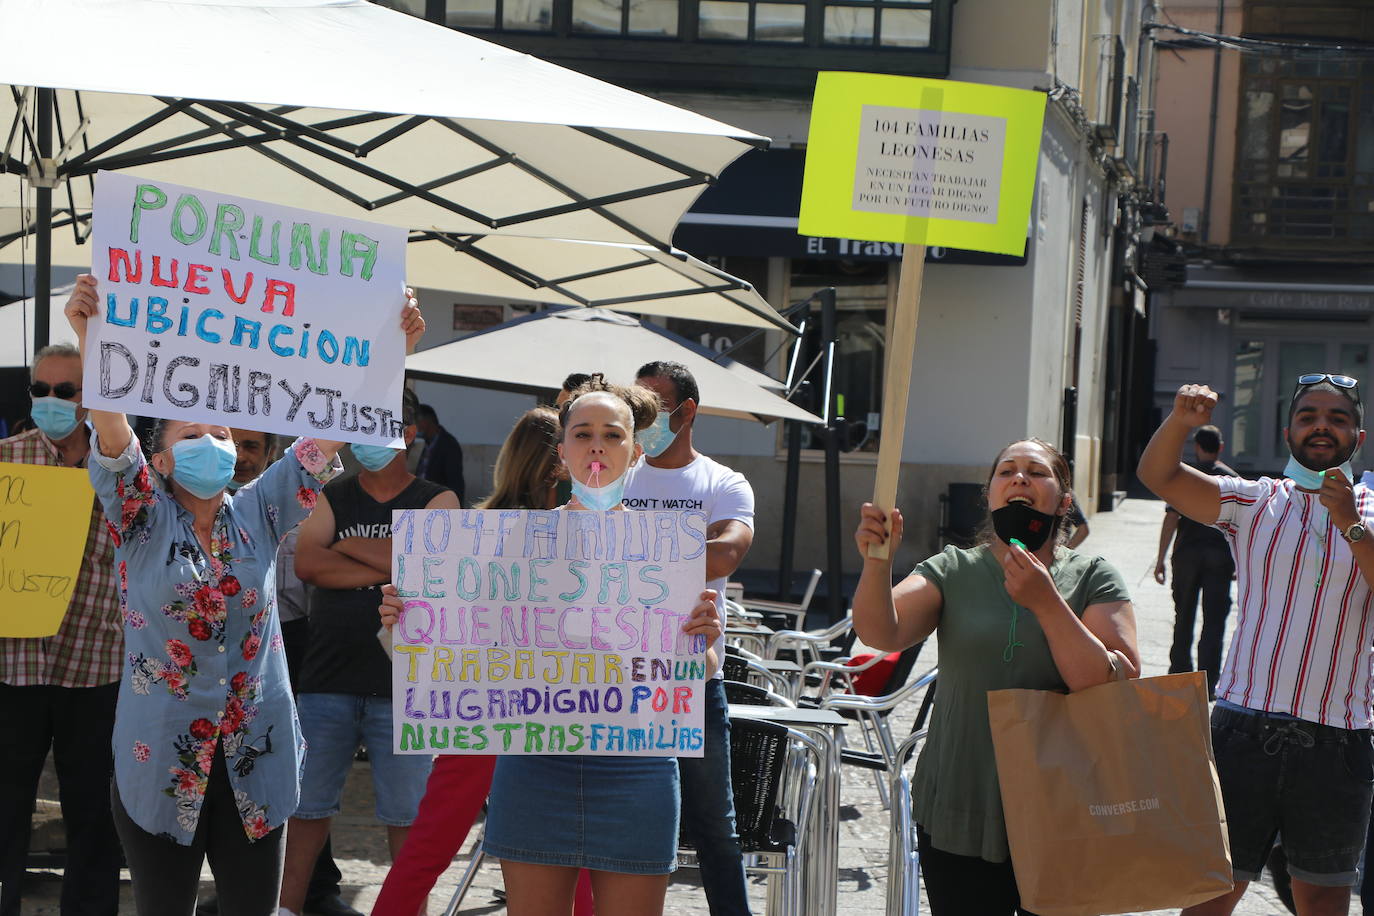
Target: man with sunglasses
(1291, 728)
(60, 691)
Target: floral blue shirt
(203, 650)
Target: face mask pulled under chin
(599, 498)
(1025, 523)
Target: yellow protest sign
(926, 162)
(45, 515)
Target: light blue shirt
(204, 661)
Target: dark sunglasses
(64, 390)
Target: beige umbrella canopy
(633, 278)
(344, 107)
(535, 353)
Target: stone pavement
(1128, 537)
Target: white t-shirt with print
(704, 485)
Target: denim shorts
(617, 814)
(1311, 783)
(334, 724)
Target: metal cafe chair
(903, 854)
(784, 613)
(872, 714)
(742, 665)
(813, 645)
(773, 771)
(744, 694)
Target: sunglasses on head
(1316, 378)
(1350, 386)
(64, 390)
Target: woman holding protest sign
(550, 816)
(1017, 610)
(524, 478)
(205, 699)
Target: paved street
(1128, 537)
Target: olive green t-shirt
(955, 792)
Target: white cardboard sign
(227, 310)
(548, 632)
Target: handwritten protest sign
(542, 632)
(45, 515)
(228, 310)
(930, 162)
(922, 162)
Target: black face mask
(1028, 525)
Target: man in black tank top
(344, 694)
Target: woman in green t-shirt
(1017, 610)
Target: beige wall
(1183, 106)
(1001, 35)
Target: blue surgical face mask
(1309, 479)
(656, 438)
(600, 499)
(373, 457)
(55, 417)
(204, 466)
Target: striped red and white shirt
(1304, 626)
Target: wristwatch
(1355, 532)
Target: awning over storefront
(752, 212)
(1277, 291)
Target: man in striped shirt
(1291, 730)
(60, 691)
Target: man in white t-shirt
(674, 475)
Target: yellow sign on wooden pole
(922, 162)
(45, 515)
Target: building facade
(1035, 345)
(1278, 223)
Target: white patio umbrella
(535, 353)
(634, 278)
(345, 107)
(342, 107)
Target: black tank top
(344, 655)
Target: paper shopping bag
(1111, 796)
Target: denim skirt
(616, 814)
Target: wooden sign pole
(901, 352)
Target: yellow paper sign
(927, 162)
(45, 515)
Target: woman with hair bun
(1016, 610)
(551, 816)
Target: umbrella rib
(581, 201)
(598, 204)
(251, 113)
(669, 294)
(446, 179)
(514, 271)
(384, 178)
(155, 152)
(274, 156)
(170, 108)
(769, 316)
(657, 158)
(605, 271)
(20, 121)
(390, 134)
